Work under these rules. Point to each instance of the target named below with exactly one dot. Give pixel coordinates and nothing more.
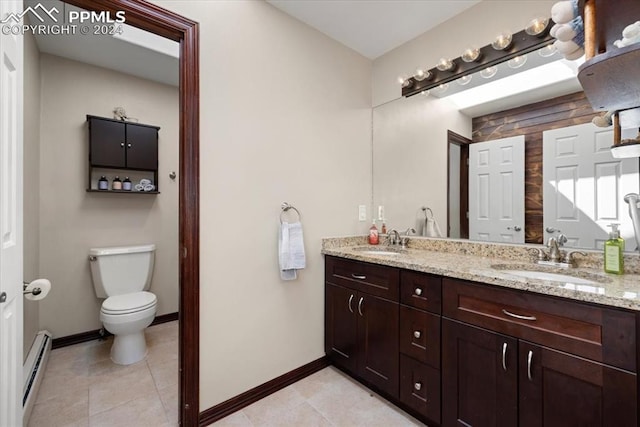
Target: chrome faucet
(393, 237)
(405, 239)
(555, 254)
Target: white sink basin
(555, 277)
(384, 253)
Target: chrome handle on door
(358, 276)
(504, 356)
(360, 306)
(529, 359)
(3, 297)
(350, 299)
(519, 316)
(515, 228)
(417, 334)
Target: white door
(10, 222)
(496, 190)
(584, 185)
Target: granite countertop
(486, 263)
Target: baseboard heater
(33, 371)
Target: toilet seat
(128, 303)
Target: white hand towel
(432, 227)
(291, 255)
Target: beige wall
(31, 198)
(285, 116)
(72, 220)
(476, 26)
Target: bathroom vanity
(455, 338)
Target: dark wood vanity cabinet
(460, 353)
(115, 144)
(580, 371)
(361, 321)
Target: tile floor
(82, 387)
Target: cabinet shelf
(610, 81)
(93, 190)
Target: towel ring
(286, 207)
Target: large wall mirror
(569, 182)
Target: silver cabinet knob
(128, 145)
(418, 386)
(417, 334)
(122, 144)
(418, 291)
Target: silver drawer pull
(417, 334)
(504, 356)
(360, 306)
(358, 276)
(529, 359)
(418, 386)
(518, 316)
(350, 300)
(418, 291)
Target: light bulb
(464, 80)
(404, 82)
(445, 64)
(421, 75)
(443, 87)
(536, 26)
(488, 72)
(424, 93)
(471, 54)
(503, 41)
(517, 62)
(547, 51)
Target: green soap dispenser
(613, 251)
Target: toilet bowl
(122, 276)
(126, 317)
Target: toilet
(122, 275)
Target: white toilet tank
(121, 270)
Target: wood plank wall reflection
(531, 120)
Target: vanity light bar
(521, 44)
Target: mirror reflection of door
(584, 185)
(496, 190)
(458, 186)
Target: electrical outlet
(362, 213)
(381, 213)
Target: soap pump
(613, 251)
(374, 237)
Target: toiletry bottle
(613, 252)
(374, 239)
(116, 184)
(126, 184)
(383, 230)
(103, 183)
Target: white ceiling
(372, 27)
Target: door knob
(515, 228)
(3, 297)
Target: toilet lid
(128, 303)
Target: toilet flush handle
(92, 258)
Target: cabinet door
(142, 147)
(106, 143)
(420, 335)
(559, 389)
(420, 388)
(340, 326)
(378, 357)
(479, 377)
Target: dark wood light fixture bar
(521, 44)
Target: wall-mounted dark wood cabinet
(125, 148)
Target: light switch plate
(362, 213)
(380, 213)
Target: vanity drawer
(420, 290)
(420, 388)
(420, 335)
(598, 333)
(378, 280)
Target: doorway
(162, 22)
(458, 186)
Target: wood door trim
(163, 22)
(454, 138)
